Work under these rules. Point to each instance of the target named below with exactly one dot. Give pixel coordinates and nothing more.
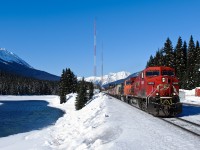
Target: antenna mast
(102, 65)
(95, 48)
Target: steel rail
(182, 127)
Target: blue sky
(55, 34)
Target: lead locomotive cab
(161, 91)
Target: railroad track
(188, 126)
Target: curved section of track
(188, 126)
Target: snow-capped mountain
(107, 78)
(11, 63)
(11, 57)
(115, 76)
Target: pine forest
(185, 59)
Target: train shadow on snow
(189, 110)
(24, 116)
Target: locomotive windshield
(152, 73)
(168, 73)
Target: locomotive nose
(166, 80)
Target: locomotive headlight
(174, 94)
(157, 94)
(163, 80)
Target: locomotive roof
(158, 67)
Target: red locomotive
(154, 90)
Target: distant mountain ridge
(10, 62)
(120, 81)
(111, 77)
(11, 57)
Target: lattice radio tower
(95, 49)
(102, 64)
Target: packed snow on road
(104, 123)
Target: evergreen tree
(62, 98)
(91, 90)
(74, 82)
(68, 81)
(159, 60)
(184, 78)
(197, 65)
(81, 98)
(68, 84)
(191, 60)
(180, 61)
(71, 81)
(168, 54)
(62, 88)
(150, 63)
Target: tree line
(11, 84)
(185, 59)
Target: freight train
(154, 90)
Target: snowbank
(82, 129)
(107, 123)
(188, 92)
(188, 96)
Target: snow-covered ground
(188, 96)
(191, 112)
(105, 123)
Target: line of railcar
(155, 90)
